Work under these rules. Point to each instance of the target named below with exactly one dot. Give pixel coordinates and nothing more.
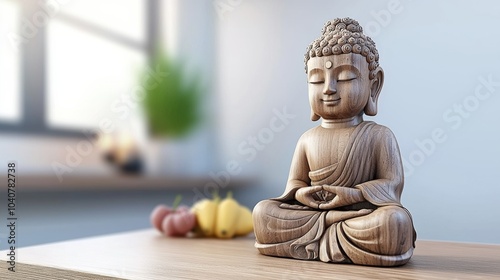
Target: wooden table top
(148, 255)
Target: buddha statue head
(343, 72)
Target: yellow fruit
(227, 217)
(206, 215)
(245, 222)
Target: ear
(314, 117)
(375, 88)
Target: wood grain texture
(148, 255)
(35, 272)
(341, 203)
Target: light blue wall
(435, 55)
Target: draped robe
(385, 237)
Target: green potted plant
(172, 102)
(172, 110)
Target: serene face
(339, 85)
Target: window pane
(87, 75)
(10, 96)
(124, 17)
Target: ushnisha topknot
(344, 36)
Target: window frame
(33, 70)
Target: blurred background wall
(440, 98)
(75, 71)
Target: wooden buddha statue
(341, 203)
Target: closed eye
(346, 75)
(347, 79)
(316, 76)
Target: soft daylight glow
(87, 77)
(9, 63)
(126, 18)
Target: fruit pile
(207, 218)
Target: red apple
(158, 215)
(178, 223)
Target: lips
(330, 101)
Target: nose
(330, 87)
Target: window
(89, 67)
(10, 96)
(84, 55)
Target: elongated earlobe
(375, 88)
(314, 117)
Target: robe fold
(374, 239)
